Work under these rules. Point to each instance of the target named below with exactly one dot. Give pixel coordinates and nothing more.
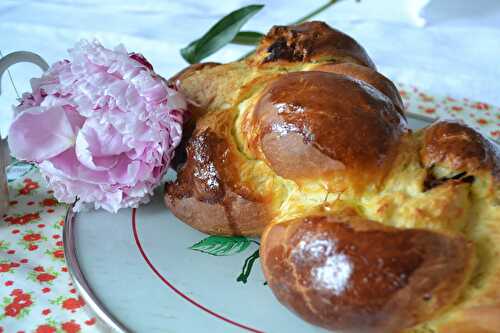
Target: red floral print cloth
(36, 291)
(482, 116)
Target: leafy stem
(247, 38)
(247, 267)
(227, 30)
(316, 11)
(220, 34)
(222, 245)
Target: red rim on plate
(71, 256)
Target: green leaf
(220, 34)
(247, 267)
(247, 38)
(51, 322)
(221, 245)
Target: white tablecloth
(456, 53)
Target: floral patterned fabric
(36, 291)
(482, 116)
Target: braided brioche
(366, 226)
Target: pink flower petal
(66, 165)
(99, 146)
(101, 126)
(38, 134)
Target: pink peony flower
(102, 127)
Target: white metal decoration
(5, 63)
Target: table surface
(454, 55)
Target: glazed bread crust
(310, 42)
(366, 226)
(207, 189)
(288, 124)
(356, 275)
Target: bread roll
(366, 225)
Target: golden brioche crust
(205, 189)
(308, 42)
(306, 137)
(458, 147)
(288, 124)
(190, 70)
(354, 275)
(366, 75)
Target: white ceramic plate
(137, 271)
